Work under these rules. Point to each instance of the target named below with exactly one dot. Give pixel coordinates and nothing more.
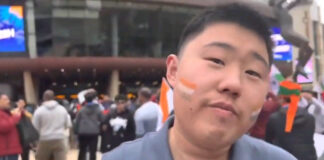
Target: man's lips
(223, 106)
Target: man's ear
(172, 68)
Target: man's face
(220, 84)
(21, 103)
(121, 106)
(4, 102)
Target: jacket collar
(161, 146)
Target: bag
(27, 132)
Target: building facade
(112, 46)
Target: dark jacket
(9, 137)
(299, 141)
(88, 120)
(120, 128)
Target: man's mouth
(223, 106)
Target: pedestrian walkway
(72, 155)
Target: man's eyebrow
(258, 57)
(223, 45)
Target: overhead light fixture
(46, 70)
(64, 85)
(54, 84)
(78, 70)
(75, 83)
(62, 70)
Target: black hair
(90, 96)
(287, 99)
(237, 13)
(145, 92)
(48, 95)
(120, 97)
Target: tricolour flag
(166, 102)
(275, 77)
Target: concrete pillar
(31, 34)
(114, 83)
(29, 88)
(114, 78)
(320, 42)
(115, 36)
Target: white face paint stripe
(255, 114)
(186, 89)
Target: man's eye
(253, 73)
(217, 61)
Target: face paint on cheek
(255, 114)
(187, 88)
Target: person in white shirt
(146, 116)
(316, 108)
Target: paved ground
(72, 155)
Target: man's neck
(144, 102)
(183, 148)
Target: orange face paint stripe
(188, 84)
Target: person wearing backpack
(87, 126)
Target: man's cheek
(186, 89)
(255, 112)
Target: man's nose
(230, 83)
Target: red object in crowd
(154, 98)
(105, 112)
(270, 106)
(322, 96)
(79, 106)
(9, 136)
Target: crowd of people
(59, 126)
(271, 123)
(217, 103)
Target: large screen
(282, 50)
(12, 29)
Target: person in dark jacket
(270, 106)
(118, 126)
(87, 126)
(20, 107)
(10, 145)
(299, 140)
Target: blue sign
(282, 50)
(12, 30)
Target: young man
(220, 82)
(51, 119)
(118, 126)
(10, 145)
